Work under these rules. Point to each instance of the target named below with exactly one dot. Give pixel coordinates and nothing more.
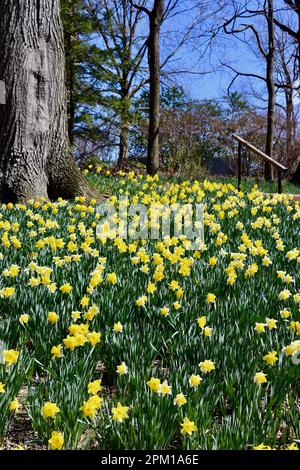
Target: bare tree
(158, 14)
(285, 77)
(270, 57)
(34, 152)
(242, 21)
(292, 6)
(155, 19)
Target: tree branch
(140, 7)
(285, 28)
(244, 74)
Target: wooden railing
(243, 143)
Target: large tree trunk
(271, 91)
(124, 127)
(35, 160)
(124, 143)
(70, 82)
(154, 98)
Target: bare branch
(140, 7)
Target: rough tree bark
(35, 160)
(124, 125)
(124, 142)
(271, 90)
(70, 74)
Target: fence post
(279, 181)
(239, 166)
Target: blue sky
(226, 49)
(214, 84)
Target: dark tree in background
(35, 160)
(294, 32)
(293, 6)
(155, 19)
(286, 74)
(73, 25)
(114, 65)
(243, 20)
